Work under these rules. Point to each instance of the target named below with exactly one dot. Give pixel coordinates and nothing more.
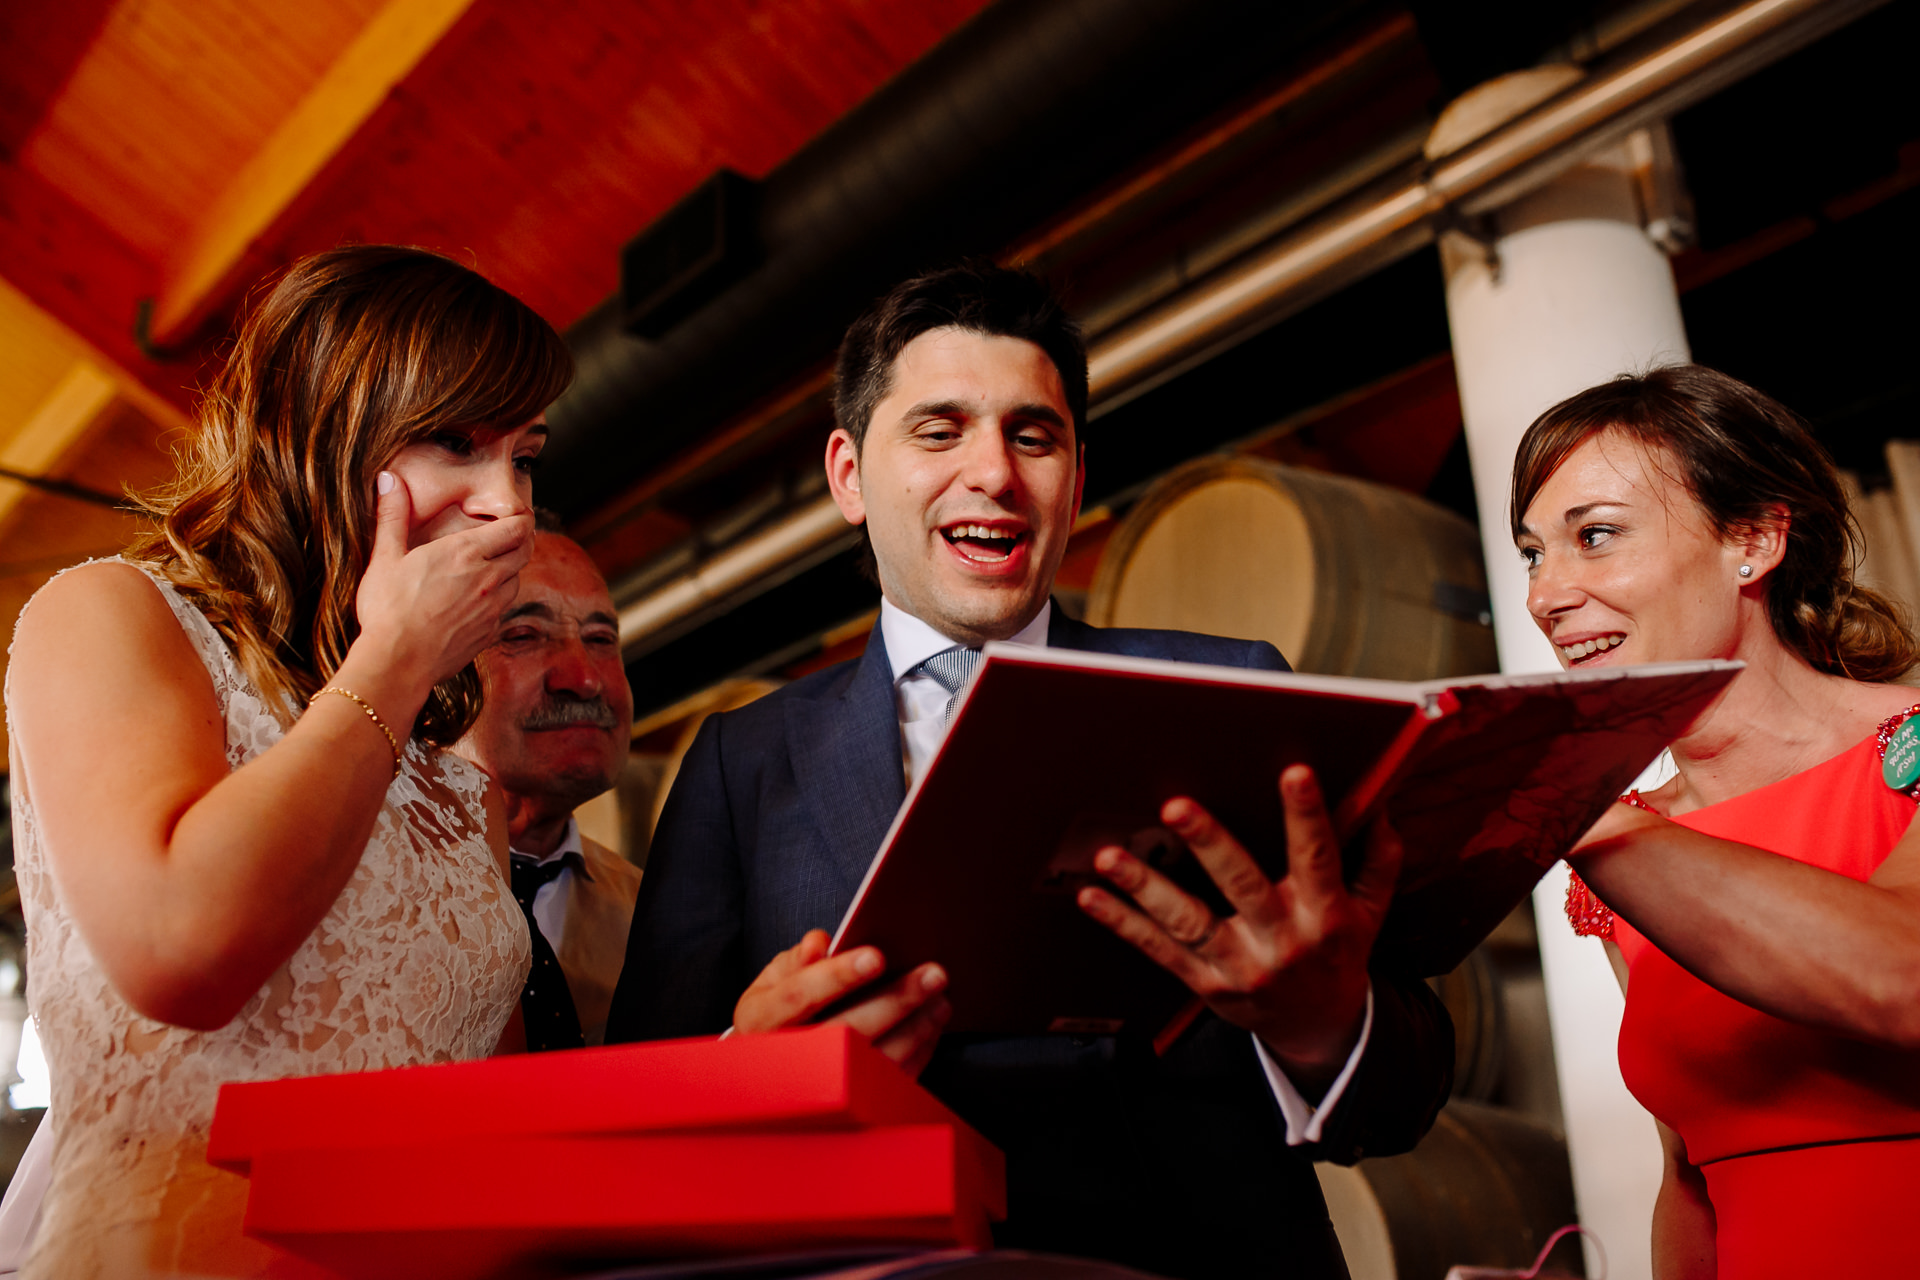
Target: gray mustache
(565, 713)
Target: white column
(1577, 301)
(1565, 290)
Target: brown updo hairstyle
(1744, 457)
(352, 355)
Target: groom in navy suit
(961, 399)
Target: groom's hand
(1290, 965)
(903, 1018)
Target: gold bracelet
(372, 715)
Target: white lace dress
(419, 961)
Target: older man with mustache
(554, 735)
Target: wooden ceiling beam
(80, 273)
(225, 252)
(536, 140)
(533, 140)
(63, 419)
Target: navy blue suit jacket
(1176, 1164)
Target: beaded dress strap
(1590, 917)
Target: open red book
(1054, 754)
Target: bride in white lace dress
(241, 850)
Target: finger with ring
(1206, 935)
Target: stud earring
(1746, 571)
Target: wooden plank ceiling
(158, 157)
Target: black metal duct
(1028, 106)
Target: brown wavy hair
(352, 355)
(1744, 457)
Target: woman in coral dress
(1766, 901)
(242, 851)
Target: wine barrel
(1342, 576)
(1474, 1001)
(1486, 1187)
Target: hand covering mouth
(985, 543)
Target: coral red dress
(1810, 1141)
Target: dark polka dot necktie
(950, 669)
(546, 1006)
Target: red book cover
(1487, 781)
(818, 1078)
(475, 1208)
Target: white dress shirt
(550, 899)
(921, 703)
(919, 699)
(586, 914)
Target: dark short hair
(1743, 456)
(974, 294)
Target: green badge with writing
(1900, 766)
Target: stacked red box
(675, 1149)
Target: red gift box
(681, 1148)
(823, 1077)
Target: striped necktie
(950, 669)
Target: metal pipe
(67, 489)
(809, 533)
(1338, 247)
(1019, 111)
(1332, 250)
(1530, 151)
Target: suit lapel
(1068, 633)
(846, 754)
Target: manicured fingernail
(384, 482)
(866, 963)
(933, 979)
(1106, 860)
